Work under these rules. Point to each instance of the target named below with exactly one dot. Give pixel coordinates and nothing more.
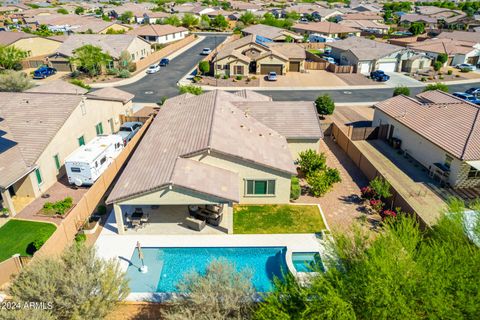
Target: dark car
(473, 91)
(467, 97)
(164, 62)
(379, 75)
(43, 72)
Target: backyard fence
(11, 266)
(313, 45)
(324, 65)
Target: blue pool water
(307, 262)
(167, 266)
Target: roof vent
(242, 126)
(260, 134)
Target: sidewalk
(142, 73)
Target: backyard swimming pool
(307, 262)
(167, 266)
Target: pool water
(167, 266)
(307, 262)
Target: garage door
(294, 66)
(387, 66)
(365, 67)
(60, 65)
(266, 68)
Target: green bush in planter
(123, 74)
(239, 77)
(101, 210)
(295, 189)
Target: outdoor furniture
(195, 224)
(193, 210)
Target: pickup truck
(128, 130)
(379, 75)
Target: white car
(272, 76)
(467, 66)
(154, 68)
(206, 51)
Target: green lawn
(283, 218)
(16, 235)
(315, 51)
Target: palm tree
(11, 56)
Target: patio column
(119, 218)
(7, 202)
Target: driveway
(164, 83)
(312, 78)
(399, 79)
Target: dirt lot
(356, 79)
(314, 78)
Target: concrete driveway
(164, 83)
(399, 79)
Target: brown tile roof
(57, 86)
(156, 30)
(448, 122)
(289, 50)
(461, 36)
(361, 16)
(270, 32)
(323, 27)
(190, 126)
(112, 94)
(446, 45)
(9, 37)
(252, 95)
(365, 49)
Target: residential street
(164, 83)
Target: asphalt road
(164, 83)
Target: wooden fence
(342, 138)
(313, 45)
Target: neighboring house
(113, 44)
(252, 54)
(458, 51)
(207, 150)
(157, 33)
(361, 17)
(430, 23)
(367, 55)
(327, 29)
(75, 23)
(36, 47)
(438, 130)
(271, 33)
(245, 6)
(41, 127)
(435, 17)
(368, 26)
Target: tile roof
(461, 36)
(323, 27)
(361, 16)
(189, 126)
(57, 86)
(448, 122)
(446, 45)
(269, 32)
(365, 49)
(252, 95)
(9, 37)
(413, 17)
(112, 94)
(156, 30)
(363, 24)
(289, 50)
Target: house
(75, 23)
(214, 149)
(361, 16)
(113, 44)
(271, 33)
(42, 126)
(367, 55)
(458, 51)
(157, 33)
(324, 28)
(368, 26)
(435, 18)
(440, 131)
(36, 47)
(244, 6)
(252, 54)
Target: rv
(88, 162)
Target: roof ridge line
(210, 133)
(470, 133)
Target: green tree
(325, 105)
(90, 59)
(172, 20)
(220, 293)
(437, 65)
(204, 67)
(311, 161)
(62, 11)
(220, 22)
(205, 22)
(247, 18)
(11, 56)
(292, 15)
(417, 28)
(125, 61)
(436, 86)
(78, 284)
(43, 31)
(442, 57)
(126, 17)
(14, 81)
(189, 20)
(190, 89)
(401, 90)
(321, 181)
(79, 10)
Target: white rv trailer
(88, 162)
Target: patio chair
(194, 224)
(128, 221)
(145, 219)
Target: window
(56, 158)
(448, 161)
(473, 173)
(75, 169)
(110, 122)
(38, 174)
(260, 187)
(238, 70)
(219, 66)
(99, 128)
(103, 160)
(81, 141)
(133, 56)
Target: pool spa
(167, 266)
(307, 262)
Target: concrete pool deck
(111, 245)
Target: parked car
(154, 68)
(206, 51)
(467, 97)
(327, 50)
(379, 75)
(43, 72)
(128, 130)
(467, 66)
(473, 91)
(329, 59)
(164, 62)
(272, 76)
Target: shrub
(191, 89)
(14, 81)
(80, 83)
(158, 46)
(401, 90)
(112, 71)
(377, 205)
(75, 74)
(311, 161)
(423, 79)
(442, 58)
(239, 77)
(367, 193)
(450, 72)
(295, 189)
(436, 86)
(101, 210)
(204, 67)
(437, 65)
(35, 245)
(60, 207)
(321, 181)
(381, 187)
(371, 37)
(465, 70)
(197, 79)
(162, 100)
(80, 238)
(254, 78)
(123, 74)
(324, 105)
(217, 76)
(225, 76)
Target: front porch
(165, 219)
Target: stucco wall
(269, 60)
(248, 170)
(37, 46)
(82, 121)
(297, 146)
(139, 48)
(115, 27)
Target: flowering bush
(367, 193)
(376, 205)
(387, 213)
